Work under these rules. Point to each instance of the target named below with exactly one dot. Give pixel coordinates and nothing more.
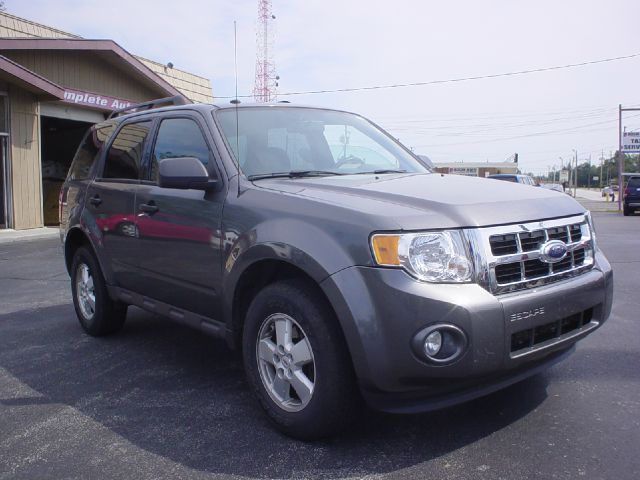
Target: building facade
(53, 87)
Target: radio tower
(264, 88)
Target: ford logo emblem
(553, 251)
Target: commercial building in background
(477, 169)
(53, 86)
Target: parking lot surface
(159, 400)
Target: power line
(454, 80)
(576, 129)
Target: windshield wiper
(294, 174)
(384, 170)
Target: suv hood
(432, 200)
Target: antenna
(266, 81)
(235, 101)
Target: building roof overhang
(15, 73)
(109, 50)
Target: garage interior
(60, 140)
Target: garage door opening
(60, 140)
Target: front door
(179, 230)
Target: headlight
(438, 257)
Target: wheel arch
(258, 275)
(75, 238)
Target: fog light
(433, 343)
(439, 344)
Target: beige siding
(12, 26)
(194, 87)
(25, 160)
(82, 71)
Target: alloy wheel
(285, 362)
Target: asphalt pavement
(159, 400)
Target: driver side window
(352, 148)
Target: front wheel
(297, 362)
(97, 312)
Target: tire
(329, 398)
(626, 211)
(98, 314)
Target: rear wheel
(297, 362)
(97, 312)
(626, 211)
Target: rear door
(109, 206)
(179, 230)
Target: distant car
(553, 186)
(515, 178)
(631, 196)
(606, 191)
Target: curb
(12, 236)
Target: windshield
(307, 141)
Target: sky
(330, 44)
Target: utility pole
(601, 165)
(575, 175)
(589, 176)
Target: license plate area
(548, 316)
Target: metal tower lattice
(266, 81)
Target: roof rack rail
(176, 100)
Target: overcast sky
(329, 44)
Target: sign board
(94, 100)
(595, 179)
(630, 142)
(564, 176)
(468, 171)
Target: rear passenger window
(125, 153)
(178, 137)
(87, 154)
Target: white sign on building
(630, 142)
(468, 171)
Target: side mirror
(184, 173)
(426, 161)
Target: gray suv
(329, 255)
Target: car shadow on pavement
(171, 391)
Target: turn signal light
(385, 249)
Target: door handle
(95, 200)
(148, 207)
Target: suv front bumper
(381, 310)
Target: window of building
(178, 137)
(125, 154)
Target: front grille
(515, 260)
(559, 233)
(509, 272)
(503, 244)
(532, 337)
(531, 241)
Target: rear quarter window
(88, 151)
